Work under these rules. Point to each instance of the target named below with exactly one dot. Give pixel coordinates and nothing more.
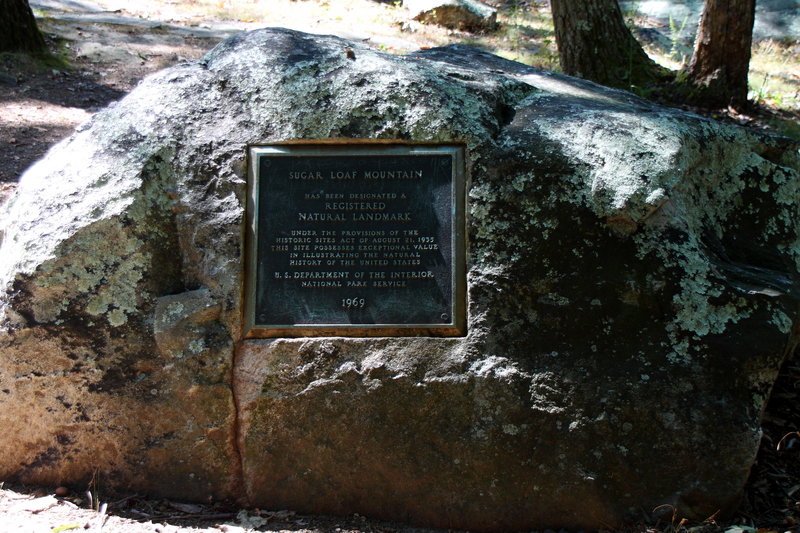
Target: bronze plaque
(355, 240)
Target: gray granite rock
(470, 15)
(632, 293)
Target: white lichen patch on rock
(781, 320)
(100, 270)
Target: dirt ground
(40, 105)
(28, 510)
(107, 54)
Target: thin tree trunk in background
(18, 30)
(721, 59)
(594, 44)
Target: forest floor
(102, 49)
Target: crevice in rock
(750, 269)
(158, 180)
(769, 488)
(776, 149)
(238, 487)
(506, 114)
(793, 340)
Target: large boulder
(631, 295)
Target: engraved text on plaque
(357, 240)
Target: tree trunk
(594, 43)
(721, 59)
(18, 30)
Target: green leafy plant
(675, 35)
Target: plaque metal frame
(456, 325)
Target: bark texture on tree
(721, 58)
(594, 44)
(18, 30)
